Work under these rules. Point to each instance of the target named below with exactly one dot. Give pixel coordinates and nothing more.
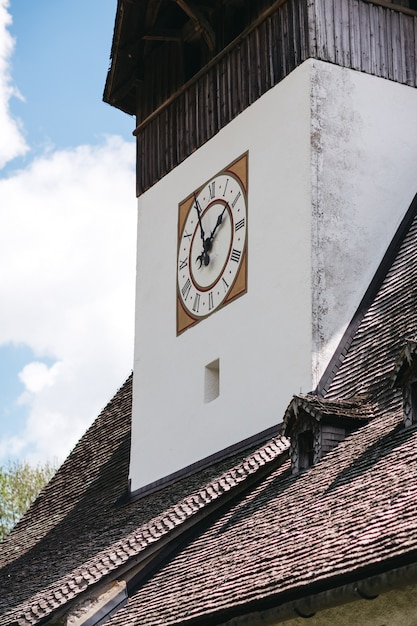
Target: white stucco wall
(262, 339)
(332, 170)
(364, 177)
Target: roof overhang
(140, 25)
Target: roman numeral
(186, 289)
(240, 224)
(225, 284)
(236, 199)
(210, 301)
(187, 234)
(235, 256)
(212, 189)
(196, 304)
(225, 187)
(183, 263)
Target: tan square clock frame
(212, 245)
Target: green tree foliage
(20, 483)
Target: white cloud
(12, 143)
(67, 249)
(36, 376)
(67, 253)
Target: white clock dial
(212, 245)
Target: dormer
(405, 378)
(315, 426)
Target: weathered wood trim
(374, 37)
(237, 77)
(370, 36)
(393, 6)
(189, 84)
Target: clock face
(212, 246)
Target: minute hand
(197, 207)
(219, 221)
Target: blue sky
(59, 64)
(68, 220)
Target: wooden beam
(199, 21)
(395, 7)
(129, 85)
(152, 11)
(163, 35)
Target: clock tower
(275, 158)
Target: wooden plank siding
(330, 437)
(351, 33)
(367, 37)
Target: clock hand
(219, 221)
(197, 206)
(204, 257)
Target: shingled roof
(242, 535)
(78, 533)
(350, 517)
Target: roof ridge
(120, 552)
(370, 294)
(359, 407)
(357, 400)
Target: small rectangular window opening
(413, 398)
(305, 449)
(212, 381)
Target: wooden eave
(341, 412)
(140, 23)
(136, 24)
(119, 90)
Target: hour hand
(204, 257)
